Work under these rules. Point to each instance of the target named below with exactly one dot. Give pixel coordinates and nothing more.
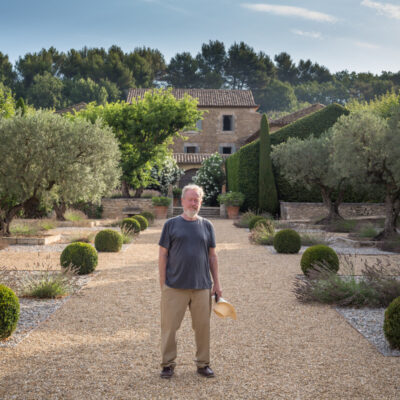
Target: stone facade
(308, 211)
(211, 137)
(114, 208)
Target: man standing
(186, 257)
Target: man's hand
(217, 289)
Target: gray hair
(198, 189)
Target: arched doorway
(187, 178)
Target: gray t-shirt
(188, 243)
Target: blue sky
(358, 35)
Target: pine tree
(267, 194)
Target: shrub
(80, 256)
(177, 192)
(130, 225)
(391, 324)
(148, 215)
(287, 241)
(244, 220)
(253, 221)
(343, 225)
(261, 235)
(48, 285)
(108, 240)
(9, 311)
(231, 198)
(367, 231)
(267, 224)
(377, 286)
(210, 176)
(161, 201)
(318, 254)
(142, 221)
(74, 215)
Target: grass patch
(377, 286)
(343, 226)
(24, 229)
(88, 238)
(261, 235)
(308, 239)
(367, 231)
(48, 224)
(74, 215)
(49, 284)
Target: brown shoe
(206, 371)
(167, 372)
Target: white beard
(191, 213)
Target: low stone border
(32, 240)
(35, 311)
(341, 250)
(369, 322)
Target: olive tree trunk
(332, 206)
(392, 209)
(60, 209)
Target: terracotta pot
(233, 212)
(161, 211)
(176, 201)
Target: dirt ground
(104, 342)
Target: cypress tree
(267, 194)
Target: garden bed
(25, 240)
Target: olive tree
(310, 162)
(367, 150)
(46, 156)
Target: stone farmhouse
(230, 118)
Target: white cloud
(366, 45)
(386, 9)
(290, 11)
(314, 35)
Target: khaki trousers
(174, 303)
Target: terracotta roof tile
(194, 158)
(207, 97)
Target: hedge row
(243, 169)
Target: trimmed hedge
(9, 311)
(242, 167)
(81, 256)
(254, 220)
(131, 225)
(142, 222)
(148, 215)
(108, 241)
(319, 253)
(391, 324)
(287, 241)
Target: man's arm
(162, 264)
(213, 259)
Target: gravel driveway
(104, 342)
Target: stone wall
(113, 208)
(307, 211)
(245, 122)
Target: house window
(199, 125)
(226, 148)
(227, 122)
(191, 149)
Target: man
(186, 257)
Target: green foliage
(313, 124)
(108, 240)
(45, 91)
(315, 255)
(142, 222)
(165, 173)
(130, 225)
(41, 168)
(287, 241)
(244, 219)
(161, 201)
(231, 198)
(210, 176)
(78, 90)
(74, 215)
(80, 256)
(232, 172)
(49, 285)
(177, 192)
(9, 311)
(7, 102)
(267, 195)
(253, 220)
(262, 235)
(391, 325)
(144, 129)
(277, 96)
(149, 216)
(343, 225)
(267, 224)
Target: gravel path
(104, 342)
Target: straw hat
(224, 309)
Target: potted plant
(177, 193)
(161, 204)
(232, 201)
